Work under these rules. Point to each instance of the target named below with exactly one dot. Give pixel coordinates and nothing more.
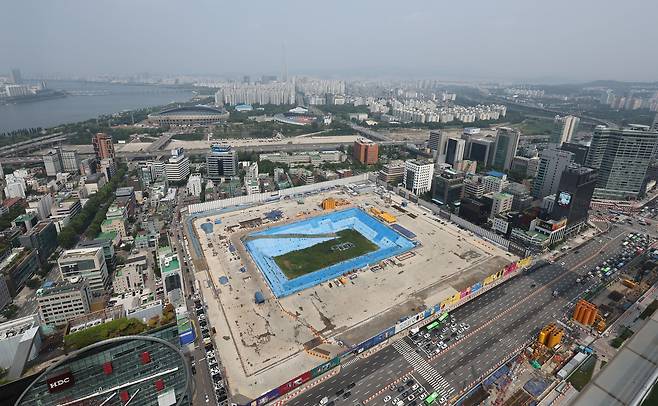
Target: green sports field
(297, 263)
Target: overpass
(33, 144)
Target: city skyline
(481, 41)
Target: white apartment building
(194, 184)
(88, 263)
(15, 187)
(418, 176)
(64, 300)
(494, 184)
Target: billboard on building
(60, 381)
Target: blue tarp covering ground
(263, 250)
(207, 228)
(403, 231)
(536, 387)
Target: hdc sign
(60, 382)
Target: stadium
(296, 279)
(192, 115)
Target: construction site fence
(271, 196)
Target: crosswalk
(436, 381)
(350, 362)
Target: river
(86, 100)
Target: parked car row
(221, 395)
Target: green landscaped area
(297, 263)
(583, 375)
(625, 334)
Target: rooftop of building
(93, 178)
(39, 227)
(630, 373)
(12, 328)
(124, 191)
(16, 255)
(503, 195)
(106, 236)
(25, 217)
(65, 285)
(535, 235)
(365, 141)
(78, 252)
(220, 148)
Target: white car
(414, 386)
(411, 397)
(387, 398)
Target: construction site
(265, 338)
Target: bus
(431, 398)
(432, 326)
(443, 317)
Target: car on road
(387, 398)
(347, 394)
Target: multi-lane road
(502, 320)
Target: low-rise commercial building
(392, 172)
(63, 300)
(303, 158)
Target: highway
(501, 321)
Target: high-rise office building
(437, 144)
(579, 151)
(70, 161)
(177, 168)
(622, 157)
(454, 150)
(574, 195)
(15, 76)
(507, 142)
(103, 146)
(448, 187)
(365, 151)
(564, 129)
(481, 150)
(552, 162)
(221, 162)
(418, 176)
(52, 161)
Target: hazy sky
(477, 39)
